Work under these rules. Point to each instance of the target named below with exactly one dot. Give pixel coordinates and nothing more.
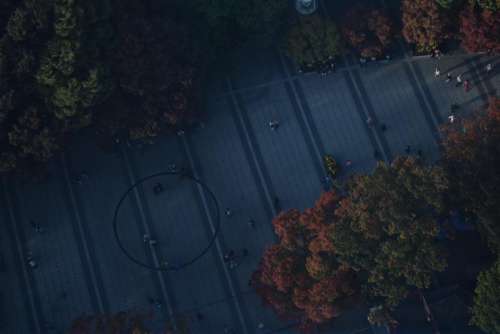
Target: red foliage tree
(299, 276)
(369, 32)
(480, 28)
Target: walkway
(80, 268)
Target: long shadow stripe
(359, 109)
(28, 284)
(421, 102)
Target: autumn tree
(367, 31)
(313, 39)
(480, 28)
(424, 24)
(387, 227)
(471, 158)
(157, 70)
(300, 277)
(486, 308)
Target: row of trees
(426, 24)
(429, 23)
(377, 241)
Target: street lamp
(306, 7)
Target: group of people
(460, 81)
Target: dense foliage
(299, 277)
(480, 28)
(313, 39)
(471, 157)
(369, 32)
(486, 309)
(424, 24)
(388, 225)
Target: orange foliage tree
(299, 277)
(424, 24)
(471, 157)
(480, 28)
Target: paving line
(213, 229)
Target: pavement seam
(27, 279)
(365, 111)
(81, 237)
(254, 155)
(425, 105)
(218, 245)
(143, 218)
(300, 104)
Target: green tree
(74, 81)
(388, 227)
(471, 158)
(486, 309)
(313, 39)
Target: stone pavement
(247, 165)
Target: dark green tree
(388, 227)
(486, 309)
(313, 39)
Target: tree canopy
(313, 39)
(486, 309)
(424, 24)
(299, 277)
(369, 32)
(388, 225)
(471, 158)
(480, 28)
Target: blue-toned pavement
(246, 164)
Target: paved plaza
(245, 164)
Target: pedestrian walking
(437, 72)
(277, 204)
(489, 67)
(158, 188)
(467, 86)
(273, 124)
(229, 256)
(459, 80)
(408, 149)
(260, 325)
(155, 302)
(348, 163)
(180, 132)
(36, 226)
(80, 178)
(228, 212)
(448, 77)
(451, 118)
(31, 262)
(369, 121)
